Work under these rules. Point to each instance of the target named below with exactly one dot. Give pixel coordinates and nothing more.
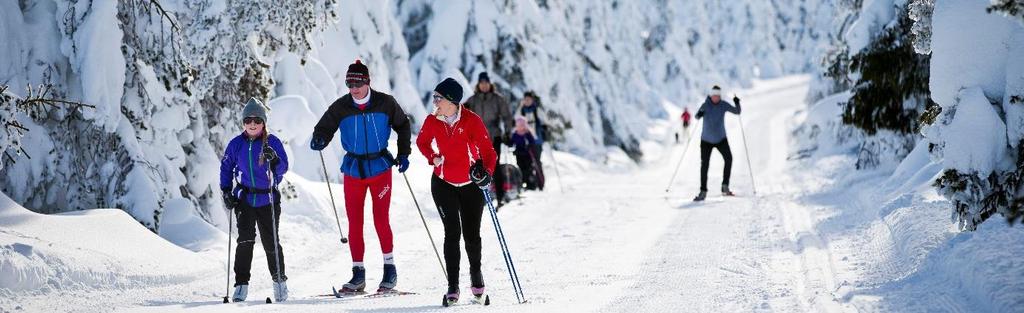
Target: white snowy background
(166, 81)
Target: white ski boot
(280, 291)
(241, 292)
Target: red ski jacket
(460, 145)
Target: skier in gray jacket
(713, 136)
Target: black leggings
(248, 218)
(705, 158)
(461, 209)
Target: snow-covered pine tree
(890, 92)
(167, 79)
(977, 128)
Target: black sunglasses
(437, 98)
(354, 84)
(252, 120)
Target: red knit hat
(357, 73)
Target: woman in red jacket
(463, 164)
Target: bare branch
(16, 125)
(55, 102)
(164, 13)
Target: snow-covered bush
(874, 58)
(978, 128)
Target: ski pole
(509, 264)
(431, 237)
(746, 151)
(554, 162)
(334, 208)
(273, 227)
(227, 283)
(685, 148)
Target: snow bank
(87, 249)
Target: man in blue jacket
(365, 118)
(712, 136)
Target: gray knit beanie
(254, 108)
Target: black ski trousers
(705, 158)
(248, 220)
(461, 209)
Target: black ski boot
(726, 191)
(452, 297)
(358, 281)
(476, 283)
(701, 196)
(390, 279)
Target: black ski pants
(461, 209)
(705, 158)
(248, 220)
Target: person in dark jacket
(523, 140)
(530, 108)
(254, 163)
(713, 136)
(365, 118)
(463, 164)
(495, 113)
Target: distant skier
(530, 108)
(494, 110)
(713, 136)
(365, 118)
(463, 163)
(523, 140)
(249, 157)
(685, 117)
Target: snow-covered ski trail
(613, 241)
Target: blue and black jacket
(365, 133)
(241, 164)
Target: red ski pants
(355, 195)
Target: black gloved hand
(479, 174)
(736, 100)
(317, 143)
(230, 202)
(270, 155)
(699, 115)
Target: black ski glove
(270, 155)
(479, 174)
(736, 100)
(699, 115)
(230, 202)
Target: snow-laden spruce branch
(12, 106)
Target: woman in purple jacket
(254, 163)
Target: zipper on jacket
(252, 173)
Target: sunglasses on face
(438, 98)
(355, 84)
(252, 120)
